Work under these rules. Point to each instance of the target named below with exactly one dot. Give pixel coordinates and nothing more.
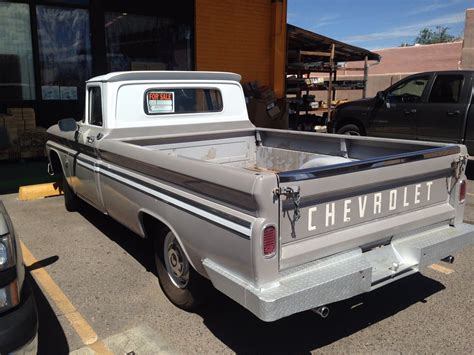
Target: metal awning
(304, 40)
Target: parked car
(432, 106)
(18, 315)
(280, 221)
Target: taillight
(462, 191)
(269, 241)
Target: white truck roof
(165, 75)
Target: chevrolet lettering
(280, 221)
(354, 210)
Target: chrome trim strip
(236, 224)
(245, 231)
(352, 167)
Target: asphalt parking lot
(107, 294)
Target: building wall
(396, 64)
(414, 59)
(235, 36)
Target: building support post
(366, 77)
(331, 70)
(278, 47)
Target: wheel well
(351, 120)
(152, 226)
(55, 163)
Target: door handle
(408, 112)
(90, 139)
(453, 113)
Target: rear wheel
(350, 130)
(71, 201)
(183, 286)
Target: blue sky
(375, 24)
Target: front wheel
(183, 286)
(350, 130)
(71, 201)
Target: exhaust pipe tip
(322, 311)
(449, 259)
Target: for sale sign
(160, 102)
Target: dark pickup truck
(432, 106)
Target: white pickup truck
(279, 221)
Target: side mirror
(67, 125)
(381, 96)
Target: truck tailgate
(363, 204)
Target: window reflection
(17, 80)
(64, 52)
(138, 42)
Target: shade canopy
(304, 40)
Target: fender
(152, 214)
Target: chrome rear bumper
(341, 276)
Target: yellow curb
(442, 269)
(34, 192)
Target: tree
(439, 35)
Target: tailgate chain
(459, 165)
(291, 193)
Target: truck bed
(272, 151)
(327, 170)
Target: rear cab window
(163, 101)
(446, 89)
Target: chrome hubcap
(176, 263)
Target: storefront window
(139, 42)
(17, 81)
(64, 52)
(69, 2)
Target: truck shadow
(137, 247)
(306, 331)
(51, 336)
(242, 332)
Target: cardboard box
(12, 134)
(277, 117)
(17, 112)
(10, 125)
(25, 118)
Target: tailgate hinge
(291, 193)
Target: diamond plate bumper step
(341, 276)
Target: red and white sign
(160, 101)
